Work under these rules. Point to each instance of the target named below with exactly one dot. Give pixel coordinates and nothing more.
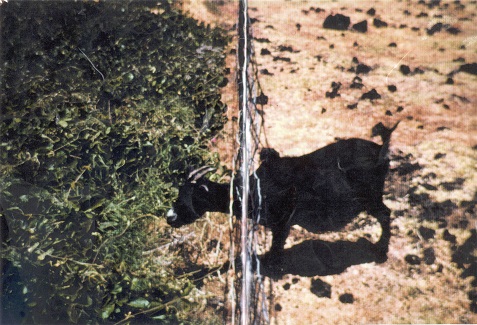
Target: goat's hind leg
(381, 248)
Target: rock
(352, 106)
(439, 155)
(262, 99)
(363, 69)
(371, 95)
(426, 233)
(429, 256)
(346, 298)
(453, 30)
(435, 29)
(338, 22)
(399, 109)
(287, 286)
(278, 307)
(320, 288)
(412, 259)
(281, 58)
(361, 27)
(266, 72)
(335, 86)
(371, 12)
(265, 52)
(357, 83)
(392, 44)
(449, 81)
(469, 68)
(392, 88)
(379, 23)
(405, 70)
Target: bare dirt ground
(409, 55)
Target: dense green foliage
(104, 106)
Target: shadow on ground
(317, 257)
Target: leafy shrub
(103, 108)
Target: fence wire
(253, 304)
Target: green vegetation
(104, 106)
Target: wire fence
(253, 303)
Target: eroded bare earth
(414, 63)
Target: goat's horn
(198, 173)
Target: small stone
(412, 259)
(321, 288)
(346, 298)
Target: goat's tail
(385, 133)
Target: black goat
(321, 191)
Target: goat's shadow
(317, 257)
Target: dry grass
(395, 291)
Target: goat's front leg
(280, 234)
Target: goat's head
(192, 201)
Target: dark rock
(285, 48)
(361, 27)
(323, 110)
(287, 286)
(262, 99)
(352, 106)
(379, 23)
(298, 27)
(408, 168)
(371, 12)
(457, 184)
(442, 128)
(389, 113)
(266, 72)
(363, 69)
(405, 70)
(320, 288)
(439, 155)
(426, 233)
(422, 15)
(429, 256)
(435, 29)
(399, 109)
(355, 60)
(429, 187)
(265, 52)
(412, 259)
(278, 307)
(335, 86)
(449, 81)
(338, 22)
(469, 68)
(281, 58)
(371, 95)
(393, 44)
(346, 298)
(262, 40)
(357, 83)
(453, 30)
(418, 71)
(392, 88)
